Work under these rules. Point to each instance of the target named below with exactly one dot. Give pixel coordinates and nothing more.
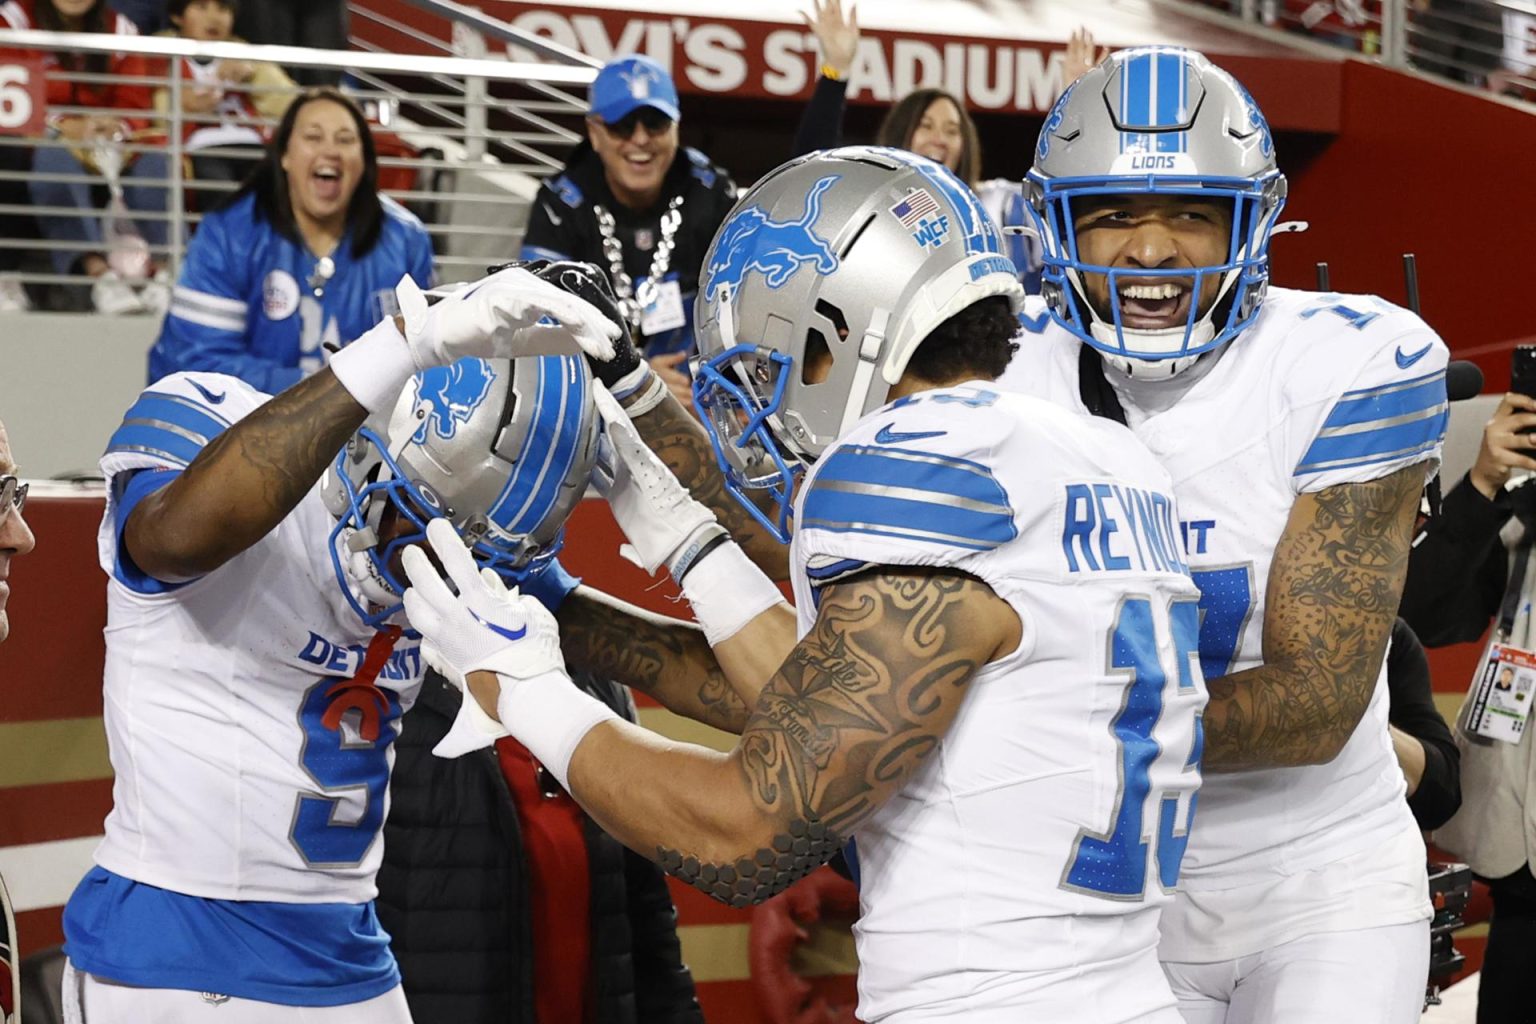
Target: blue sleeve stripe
(159, 444)
(861, 509)
(939, 477)
(1358, 449)
(178, 411)
(903, 493)
(166, 426)
(1388, 402)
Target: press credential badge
(1502, 699)
(664, 309)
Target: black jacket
(1458, 570)
(1412, 709)
(562, 224)
(453, 893)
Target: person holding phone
(1459, 574)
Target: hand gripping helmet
(501, 448)
(857, 252)
(1160, 121)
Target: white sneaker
(113, 296)
(156, 295)
(13, 297)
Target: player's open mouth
(327, 181)
(639, 160)
(1154, 306)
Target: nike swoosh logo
(1404, 361)
(889, 436)
(510, 634)
(213, 399)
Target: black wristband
(693, 557)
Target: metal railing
(1487, 44)
(468, 138)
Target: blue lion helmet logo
(776, 249)
(452, 394)
(1053, 122)
(1256, 116)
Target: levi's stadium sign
(765, 60)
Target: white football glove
(664, 524)
(488, 627)
(508, 314)
(485, 626)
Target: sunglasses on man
(13, 494)
(654, 120)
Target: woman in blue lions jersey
(303, 256)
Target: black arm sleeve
(1456, 573)
(1412, 709)
(821, 126)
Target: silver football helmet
(503, 449)
(858, 253)
(1161, 121)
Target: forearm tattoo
(859, 705)
(680, 441)
(1333, 592)
(669, 661)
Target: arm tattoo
(284, 446)
(856, 710)
(246, 480)
(680, 441)
(666, 659)
(1333, 593)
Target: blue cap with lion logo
(628, 83)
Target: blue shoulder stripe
(897, 492)
(1372, 407)
(1394, 421)
(167, 427)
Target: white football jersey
(228, 784)
(1019, 874)
(1322, 389)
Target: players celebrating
(255, 669)
(1299, 429)
(994, 685)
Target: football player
(1299, 429)
(256, 664)
(995, 681)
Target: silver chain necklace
(631, 302)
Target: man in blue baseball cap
(626, 202)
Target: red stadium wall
(1433, 170)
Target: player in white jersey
(995, 682)
(256, 666)
(1299, 429)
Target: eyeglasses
(654, 120)
(13, 494)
